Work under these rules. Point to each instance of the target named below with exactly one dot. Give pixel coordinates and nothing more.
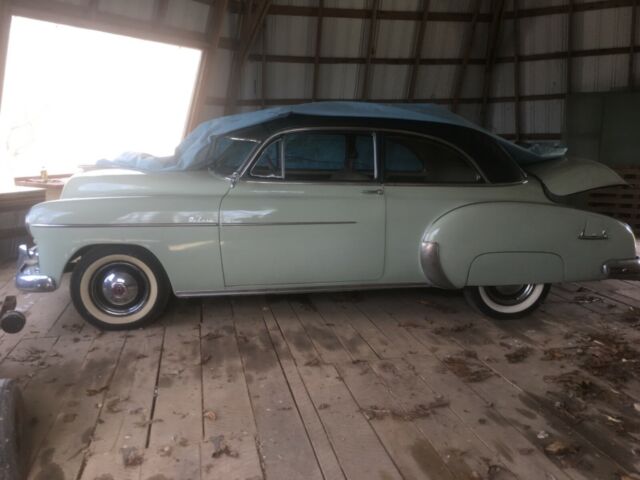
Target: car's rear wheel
(119, 287)
(13, 447)
(507, 301)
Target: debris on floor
(467, 368)
(221, 447)
(131, 456)
(519, 354)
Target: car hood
(123, 183)
(565, 176)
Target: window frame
(438, 141)
(243, 172)
(246, 172)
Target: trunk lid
(566, 175)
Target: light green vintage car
(328, 196)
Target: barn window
(72, 96)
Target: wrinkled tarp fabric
(194, 153)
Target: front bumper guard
(29, 278)
(628, 269)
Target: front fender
(181, 231)
(502, 243)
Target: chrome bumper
(623, 269)
(29, 278)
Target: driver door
(310, 210)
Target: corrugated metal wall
(540, 36)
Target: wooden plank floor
(374, 385)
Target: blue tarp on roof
(194, 152)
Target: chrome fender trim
(431, 267)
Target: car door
(308, 210)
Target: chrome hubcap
(508, 295)
(119, 288)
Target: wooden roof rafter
(316, 59)
(417, 50)
(252, 21)
(632, 41)
(468, 45)
(492, 49)
(371, 48)
(207, 62)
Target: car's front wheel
(119, 287)
(507, 301)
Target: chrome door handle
(377, 191)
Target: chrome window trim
(240, 174)
(244, 172)
(464, 155)
(280, 161)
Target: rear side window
(415, 159)
(318, 157)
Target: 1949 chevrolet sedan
(325, 196)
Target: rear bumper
(628, 269)
(28, 277)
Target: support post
(569, 80)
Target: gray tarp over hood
(194, 151)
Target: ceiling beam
(207, 62)
(255, 102)
(632, 41)
(468, 45)
(493, 44)
(253, 21)
(417, 50)
(371, 48)
(300, 11)
(68, 14)
(316, 59)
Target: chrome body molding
(29, 278)
(271, 224)
(301, 289)
(431, 267)
(628, 269)
(122, 225)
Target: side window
(414, 159)
(269, 164)
(329, 157)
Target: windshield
(229, 153)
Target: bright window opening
(72, 96)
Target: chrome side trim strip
(121, 225)
(283, 290)
(271, 224)
(430, 262)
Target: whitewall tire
(509, 301)
(119, 287)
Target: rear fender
(502, 243)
